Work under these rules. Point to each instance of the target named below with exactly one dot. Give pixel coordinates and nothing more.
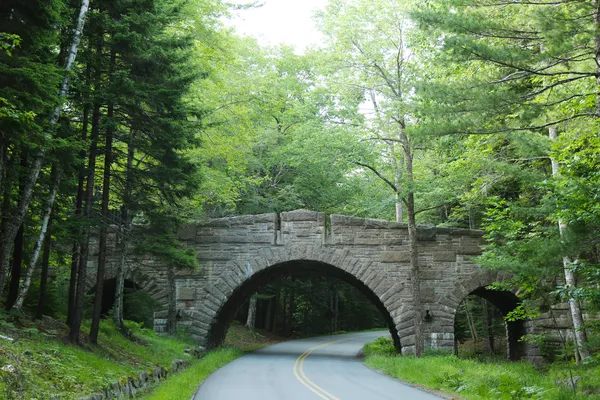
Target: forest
(480, 114)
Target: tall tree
(10, 9)
(371, 52)
(536, 69)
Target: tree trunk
(125, 229)
(292, 308)
(488, 319)
(415, 279)
(15, 272)
(108, 156)
(17, 249)
(77, 310)
(75, 252)
(41, 307)
(64, 87)
(38, 161)
(251, 320)
(398, 169)
(120, 285)
(570, 279)
(172, 307)
(269, 316)
(3, 157)
(276, 311)
(41, 237)
(472, 328)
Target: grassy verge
(241, 337)
(39, 363)
(239, 340)
(478, 380)
(183, 385)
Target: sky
(280, 21)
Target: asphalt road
(308, 369)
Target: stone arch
(147, 281)
(505, 301)
(210, 321)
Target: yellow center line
(301, 376)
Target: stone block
(186, 293)
(345, 220)
(395, 256)
(469, 250)
(441, 256)
(426, 233)
(430, 275)
(187, 231)
(303, 215)
(427, 294)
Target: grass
(238, 341)
(243, 338)
(477, 380)
(184, 384)
(39, 363)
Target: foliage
(383, 346)
(311, 304)
(45, 366)
(475, 380)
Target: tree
(371, 52)
(10, 230)
(536, 68)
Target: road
(308, 369)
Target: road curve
(308, 369)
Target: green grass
(239, 336)
(476, 380)
(183, 385)
(39, 363)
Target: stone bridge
(238, 255)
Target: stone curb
(125, 389)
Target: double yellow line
(301, 376)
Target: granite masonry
(239, 254)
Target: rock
(7, 338)
(178, 365)
(197, 352)
(568, 382)
(116, 389)
(126, 390)
(9, 368)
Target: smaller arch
(505, 301)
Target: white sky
(280, 21)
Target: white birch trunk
(570, 280)
(251, 320)
(36, 166)
(38, 244)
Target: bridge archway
(504, 300)
(218, 329)
(242, 278)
